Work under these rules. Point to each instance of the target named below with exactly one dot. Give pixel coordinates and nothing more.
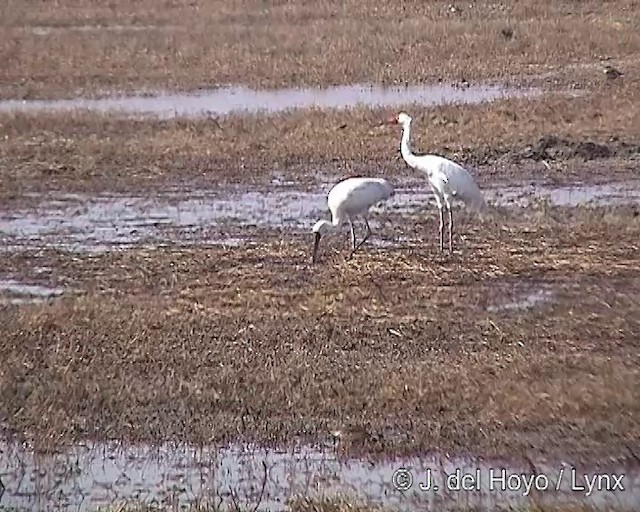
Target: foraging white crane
(347, 200)
(447, 179)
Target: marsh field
(158, 305)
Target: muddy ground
(400, 350)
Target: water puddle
(16, 292)
(45, 30)
(227, 100)
(98, 223)
(524, 300)
(80, 222)
(609, 194)
(615, 194)
(89, 476)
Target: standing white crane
(347, 200)
(447, 179)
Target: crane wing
(355, 195)
(462, 185)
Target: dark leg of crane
(353, 235)
(440, 208)
(366, 236)
(353, 239)
(450, 229)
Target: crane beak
(314, 257)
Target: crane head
(316, 243)
(317, 230)
(403, 119)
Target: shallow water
(523, 300)
(22, 293)
(91, 475)
(45, 30)
(608, 194)
(227, 100)
(98, 223)
(104, 222)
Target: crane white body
(448, 180)
(349, 199)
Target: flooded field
(238, 99)
(47, 30)
(538, 300)
(21, 293)
(219, 216)
(192, 314)
(89, 476)
(165, 337)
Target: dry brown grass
(395, 349)
(90, 151)
(297, 43)
(188, 44)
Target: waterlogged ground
(229, 100)
(90, 475)
(157, 299)
(534, 288)
(223, 215)
(178, 313)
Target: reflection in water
(227, 100)
(23, 293)
(607, 194)
(88, 476)
(100, 223)
(45, 30)
(524, 300)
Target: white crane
(447, 179)
(347, 200)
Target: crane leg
(353, 239)
(441, 228)
(366, 236)
(450, 229)
(353, 236)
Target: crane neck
(322, 226)
(336, 221)
(405, 150)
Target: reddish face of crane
(314, 257)
(392, 120)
